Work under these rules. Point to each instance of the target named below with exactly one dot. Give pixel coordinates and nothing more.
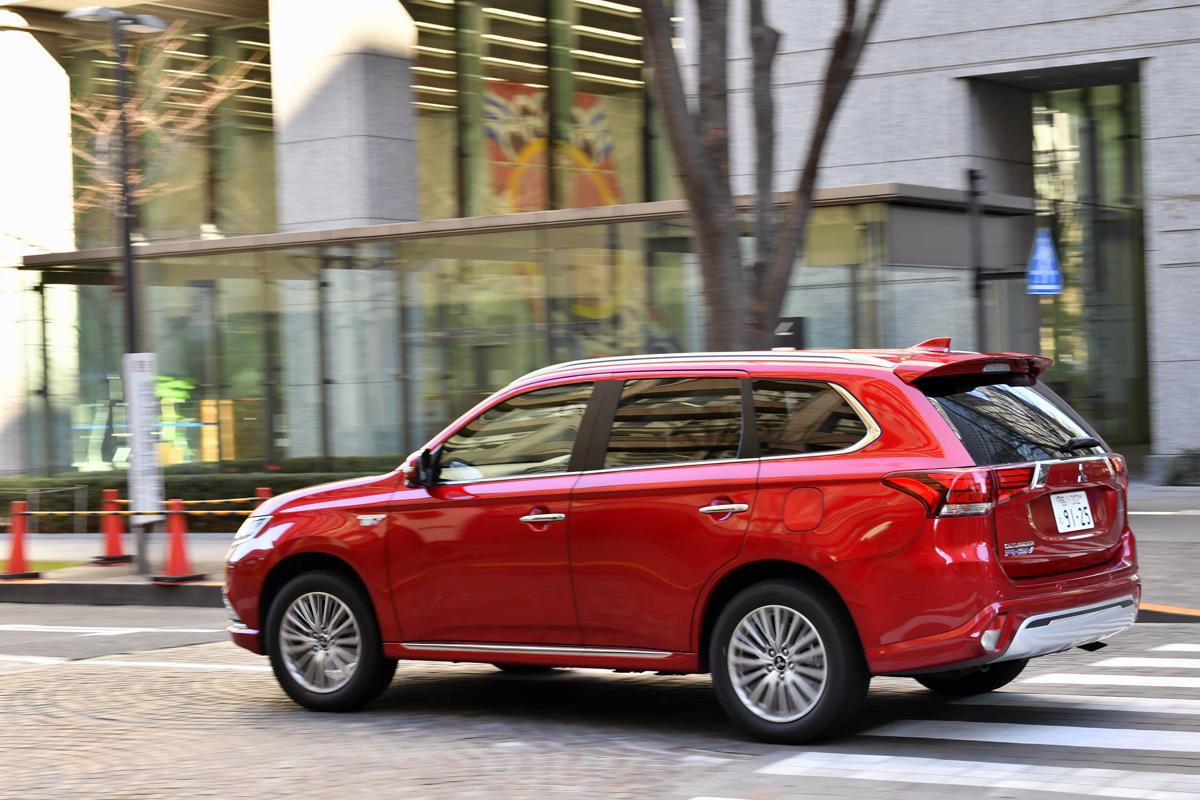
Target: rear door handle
(725, 508)
(542, 519)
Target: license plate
(1072, 511)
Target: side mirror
(425, 469)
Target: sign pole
(145, 478)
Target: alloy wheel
(319, 641)
(776, 661)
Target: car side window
(795, 417)
(675, 421)
(529, 434)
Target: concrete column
(35, 217)
(345, 132)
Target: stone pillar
(345, 132)
(36, 216)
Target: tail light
(1012, 481)
(1119, 469)
(948, 493)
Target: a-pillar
(345, 132)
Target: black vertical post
(128, 281)
(323, 380)
(47, 406)
(975, 223)
(270, 369)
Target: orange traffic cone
(177, 569)
(112, 527)
(262, 494)
(17, 568)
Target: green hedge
(182, 486)
(307, 464)
(1185, 469)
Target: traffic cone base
(169, 579)
(109, 561)
(20, 576)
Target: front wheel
(978, 680)
(324, 643)
(787, 665)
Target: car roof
(927, 358)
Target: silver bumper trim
(1057, 631)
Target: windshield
(1006, 424)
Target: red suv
(792, 522)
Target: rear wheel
(976, 680)
(786, 663)
(324, 643)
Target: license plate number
(1072, 511)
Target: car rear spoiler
(935, 359)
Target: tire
(524, 669)
(827, 688)
(336, 602)
(977, 680)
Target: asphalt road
(152, 702)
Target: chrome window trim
(529, 649)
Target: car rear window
(1003, 423)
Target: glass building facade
(365, 347)
(368, 347)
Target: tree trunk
(843, 61)
(700, 143)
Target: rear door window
(796, 417)
(1008, 424)
(675, 421)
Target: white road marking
(1084, 702)
(100, 631)
(1081, 679)
(991, 775)
(39, 660)
(184, 665)
(1046, 735)
(1176, 648)
(1130, 661)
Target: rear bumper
(1057, 631)
(1016, 628)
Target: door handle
(725, 508)
(542, 519)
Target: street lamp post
(119, 25)
(145, 481)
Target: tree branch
(764, 44)
(843, 61)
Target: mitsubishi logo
(1082, 475)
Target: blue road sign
(1044, 275)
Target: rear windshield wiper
(1079, 443)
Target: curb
(94, 593)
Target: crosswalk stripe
(1084, 702)
(1133, 661)
(184, 665)
(1093, 782)
(100, 631)
(1046, 735)
(1084, 679)
(39, 660)
(1176, 648)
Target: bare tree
(170, 108)
(743, 301)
